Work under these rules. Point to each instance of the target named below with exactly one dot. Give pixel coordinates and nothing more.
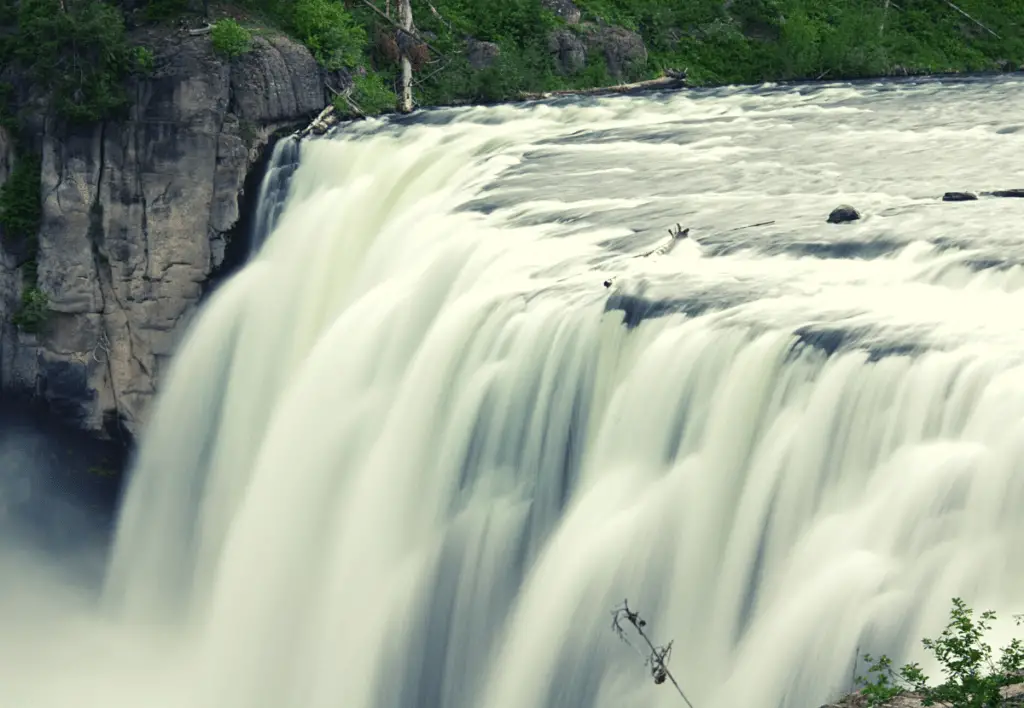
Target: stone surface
(566, 9)
(843, 215)
(1015, 193)
(623, 49)
(135, 214)
(1012, 695)
(482, 55)
(569, 51)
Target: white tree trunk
(405, 20)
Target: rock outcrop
(1012, 696)
(482, 55)
(622, 49)
(136, 214)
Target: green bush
(972, 678)
(20, 204)
(34, 311)
(373, 95)
(230, 38)
(329, 31)
(78, 51)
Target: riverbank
(471, 53)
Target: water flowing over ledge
(415, 451)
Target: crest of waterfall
(415, 452)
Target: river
(417, 450)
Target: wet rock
(566, 9)
(959, 197)
(482, 55)
(843, 214)
(569, 51)
(1015, 193)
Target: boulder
(623, 49)
(843, 214)
(569, 51)
(482, 55)
(1014, 193)
(959, 197)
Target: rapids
(415, 452)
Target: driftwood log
(673, 80)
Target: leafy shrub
(373, 95)
(20, 205)
(78, 51)
(972, 678)
(230, 38)
(329, 31)
(34, 310)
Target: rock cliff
(136, 216)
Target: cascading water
(284, 160)
(415, 451)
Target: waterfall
(415, 452)
(283, 161)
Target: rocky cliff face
(136, 214)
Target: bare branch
(659, 656)
(972, 19)
(408, 31)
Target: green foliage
(20, 205)
(373, 95)
(34, 310)
(230, 38)
(77, 50)
(330, 33)
(972, 679)
(165, 10)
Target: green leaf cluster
(230, 38)
(972, 678)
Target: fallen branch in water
(659, 656)
(750, 226)
(672, 80)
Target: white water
(411, 455)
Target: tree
(404, 42)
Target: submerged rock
(1009, 193)
(959, 197)
(843, 215)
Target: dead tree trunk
(405, 20)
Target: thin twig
(750, 226)
(411, 32)
(972, 19)
(659, 655)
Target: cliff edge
(136, 214)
